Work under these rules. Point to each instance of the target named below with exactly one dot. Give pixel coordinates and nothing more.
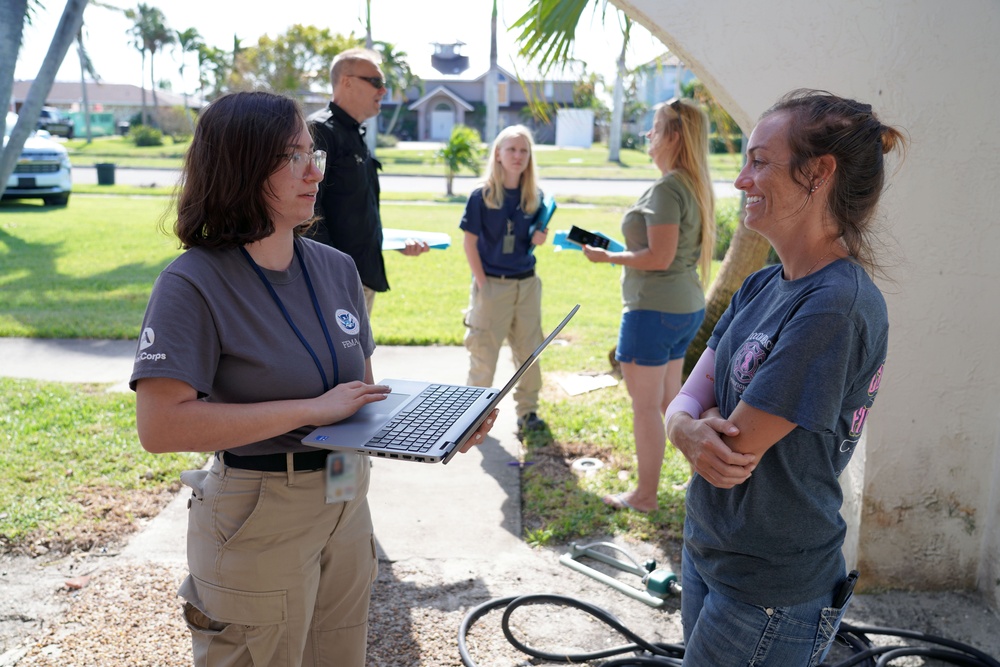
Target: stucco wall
(927, 518)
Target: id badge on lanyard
(342, 469)
(508, 238)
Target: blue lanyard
(288, 317)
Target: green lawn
(86, 271)
(552, 162)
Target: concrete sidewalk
(483, 483)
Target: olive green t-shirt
(677, 288)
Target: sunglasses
(375, 82)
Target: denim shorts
(652, 338)
(724, 632)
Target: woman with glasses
(669, 235)
(251, 337)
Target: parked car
(56, 122)
(43, 170)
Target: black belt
(276, 462)
(530, 273)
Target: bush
(727, 216)
(385, 141)
(143, 135)
(631, 140)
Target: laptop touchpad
(388, 406)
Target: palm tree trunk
(448, 178)
(12, 15)
(615, 134)
(144, 115)
(152, 83)
(83, 85)
(69, 25)
(747, 253)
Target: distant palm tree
(492, 93)
(187, 41)
(149, 34)
(547, 33)
(399, 78)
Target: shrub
(727, 216)
(385, 141)
(143, 135)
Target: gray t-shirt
(810, 351)
(676, 289)
(211, 323)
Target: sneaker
(530, 422)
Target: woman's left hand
(538, 238)
(480, 435)
(596, 255)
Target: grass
(65, 447)
(552, 162)
(85, 271)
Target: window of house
(503, 94)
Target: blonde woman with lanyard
(669, 236)
(251, 337)
(505, 298)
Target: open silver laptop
(421, 421)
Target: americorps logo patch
(347, 322)
(147, 338)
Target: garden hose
(854, 637)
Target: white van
(43, 170)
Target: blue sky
(408, 24)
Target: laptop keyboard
(419, 428)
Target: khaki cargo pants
(512, 310)
(277, 576)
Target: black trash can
(105, 173)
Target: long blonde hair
(493, 180)
(691, 167)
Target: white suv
(43, 170)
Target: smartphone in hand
(583, 237)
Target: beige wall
(926, 504)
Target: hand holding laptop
(480, 435)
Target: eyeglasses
(376, 82)
(298, 162)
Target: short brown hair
(848, 130)
(239, 141)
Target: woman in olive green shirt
(669, 234)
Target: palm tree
(13, 14)
(150, 33)
(462, 150)
(618, 107)
(187, 41)
(399, 78)
(548, 30)
(492, 101)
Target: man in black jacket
(348, 200)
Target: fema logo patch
(347, 322)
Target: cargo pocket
(227, 623)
